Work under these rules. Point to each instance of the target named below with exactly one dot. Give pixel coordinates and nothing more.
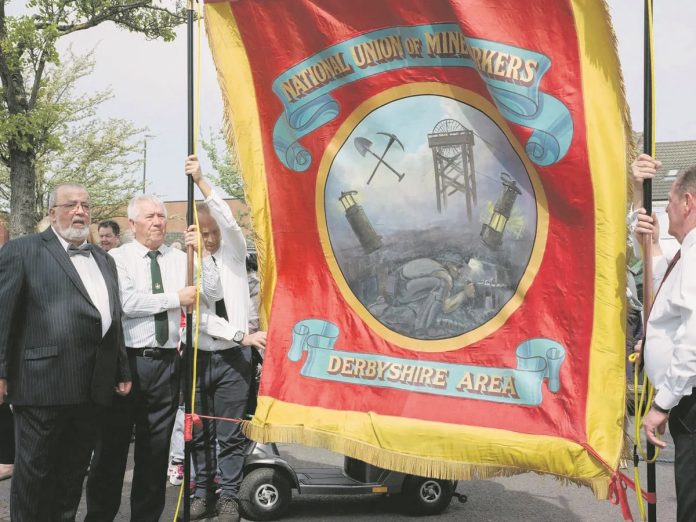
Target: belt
(201, 351)
(151, 353)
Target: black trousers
(52, 454)
(222, 390)
(682, 427)
(7, 440)
(151, 407)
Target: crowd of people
(90, 354)
(90, 346)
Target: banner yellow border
(605, 109)
(242, 120)
(426, 448)
(477, 102)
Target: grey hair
(686, 182)
(133, 209)
(202, 207)
(53, 196)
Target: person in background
(109, 235)
(252, 266)
(175, 473)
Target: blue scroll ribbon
(520, 103)
(538, 360)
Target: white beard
(74, 234)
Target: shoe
(6, 471)
(228, 510)
(202, 508)
(176, 473)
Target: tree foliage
(102, 155)
(30, 113)
(225, 163)
(227, 175)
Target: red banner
(438, 191)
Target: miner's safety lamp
(369, 240)
(492, 232)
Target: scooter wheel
(264, 494)
(426, 496)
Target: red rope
(191, 420)
(188, 427)
(618, 486)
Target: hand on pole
(191, 240)
(648, 225)
(187, 295)
(192, 167)
(643, 167)
(637, 356)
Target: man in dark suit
(61, 355)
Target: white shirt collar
(142, 250)
(689, 239)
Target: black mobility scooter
(266, 490)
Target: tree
(28, 118)
(225, 163)
(224, 160)
(100, 154)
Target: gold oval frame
(478, 102)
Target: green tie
(161, 319)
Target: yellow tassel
(403, 463)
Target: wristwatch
(238, 337)
(659, 408)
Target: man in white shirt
(224, 360)
(61, 343)
(670, 338)
(153, 284)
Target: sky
(148, 79)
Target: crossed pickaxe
(363, 145)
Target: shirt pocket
(40, 352)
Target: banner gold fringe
(411, 464)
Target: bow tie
(83, 250)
